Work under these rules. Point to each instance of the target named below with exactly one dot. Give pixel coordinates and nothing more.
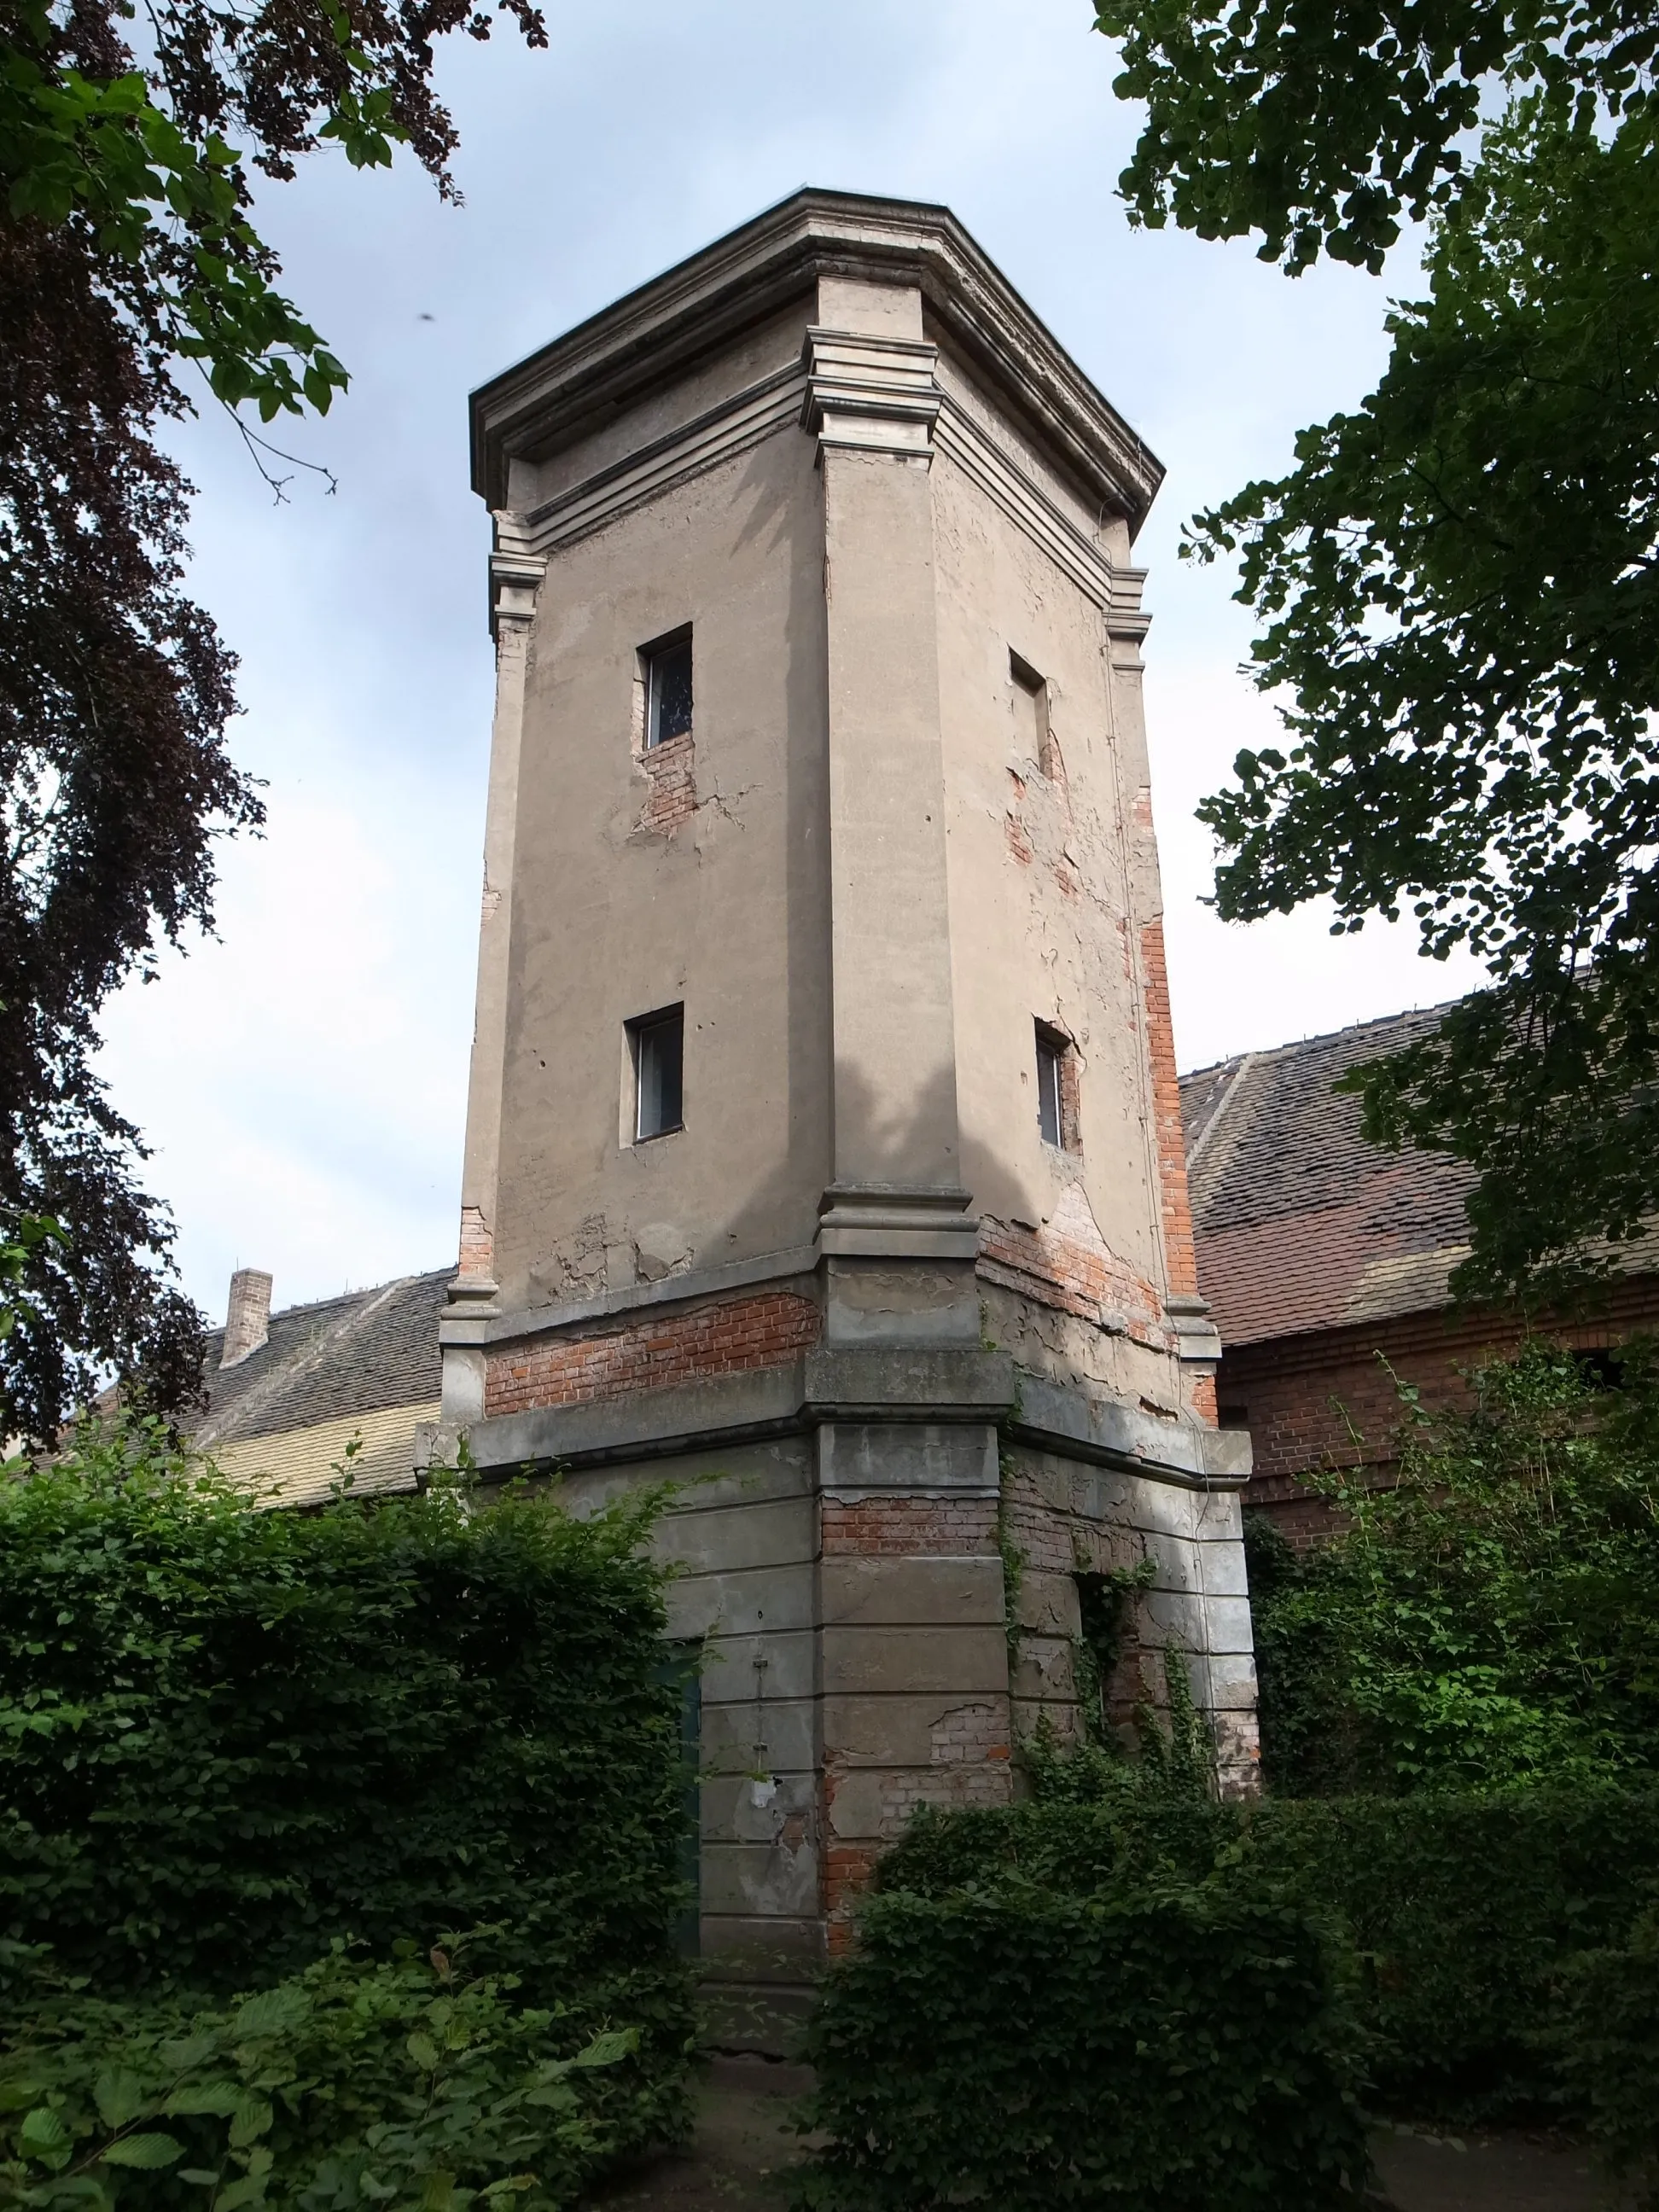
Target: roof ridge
(1196, 1151)
(288, 1371)
(1323, 1037)
(343, 1297)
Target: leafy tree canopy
(1455, 583)
(128, 263)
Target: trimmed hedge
(1027, 2050)
(1611, 2052)
(1464, 1911)
(1462, 1914)
(228, 1736)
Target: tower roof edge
(657, 331)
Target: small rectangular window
(1048, 1059)
(668, 688)
(1032, 711)
(658, 1048)
(1057, 1089)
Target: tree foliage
(1455, 583)
(128, 264)
(244, 1750)
(1490, 1613)
(1318, 124)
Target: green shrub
(227, 1735)
(1094, 1820)
(1461, 1913)
(1609, 2042)
(1024, 2050)
(405, 2084)
(1491, 1615)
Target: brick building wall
(1328, 1399)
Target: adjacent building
(300, 1403)
(1327, 1264)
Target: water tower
(824, 1141)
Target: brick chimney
(247, 1323)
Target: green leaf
(42, 2132)
(252, 2118)
(150, 2153)
(250, 2190)
(553, 2096)
(609, 2049)
(273, 2012)
(421, 2049)
(119, 2096)
(219, 2098)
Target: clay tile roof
(1301, 1225)
(362, 1353)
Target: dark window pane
(1048, 1060)
(660, 1054)
(671, 692)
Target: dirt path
(1503, 2172)
(738, 2159)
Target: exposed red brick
(671, 799)
(1075, 1279)
(612, 1359)
(1326, 1400)
(1166, 1109)
(847, 1870)
(934, 1527)
(477, 1258)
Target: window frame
(1054, 1049)
(653, 657)
(640, 1029)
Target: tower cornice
(570, 388)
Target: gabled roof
(365, 1365)
(1300, 1225)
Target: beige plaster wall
(773, 345)
(1046, 890)
(727, 912)
(1019, 439)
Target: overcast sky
(303, 1078)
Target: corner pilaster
(515, 579)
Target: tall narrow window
(1032, 711)
(658, 1051)
(668, 688)
(1047, 1056)
(1057, 1087)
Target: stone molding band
(865, 394)
(938, 1390)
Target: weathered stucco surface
(723, 909)
(898, 1340)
